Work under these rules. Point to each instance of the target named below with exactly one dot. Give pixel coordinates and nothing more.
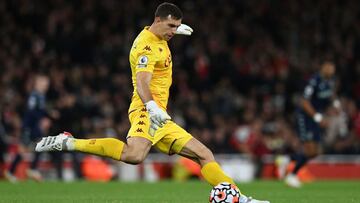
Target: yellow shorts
(169, 139)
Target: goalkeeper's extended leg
(108, 147)
(133, 152)
(210, 169)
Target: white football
(224, 193)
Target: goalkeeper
(151, 68)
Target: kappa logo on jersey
(139, 130)
(92, 141)
(143, 61)
(147, 48)
(141, 123)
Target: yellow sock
(214, 175)
(107, 147)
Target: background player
(35, 125)
(151, 67)
(3, 144)
(317, 97)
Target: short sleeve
(145, 60)
(32, 102)
(309, 89)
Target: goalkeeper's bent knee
(107, 147)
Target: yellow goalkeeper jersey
(151, 54)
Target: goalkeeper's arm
(143, 83)
(158, 117)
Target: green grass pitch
(172, 192)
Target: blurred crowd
(236, 80)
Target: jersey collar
(150, 34)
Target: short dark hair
(165, 9)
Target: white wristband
(336, 103)
(318, 117)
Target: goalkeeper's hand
(158, 117)
(184, 29)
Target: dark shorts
(307, 128)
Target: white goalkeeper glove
(184, 29)
(158, 117)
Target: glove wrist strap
(151, 105)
